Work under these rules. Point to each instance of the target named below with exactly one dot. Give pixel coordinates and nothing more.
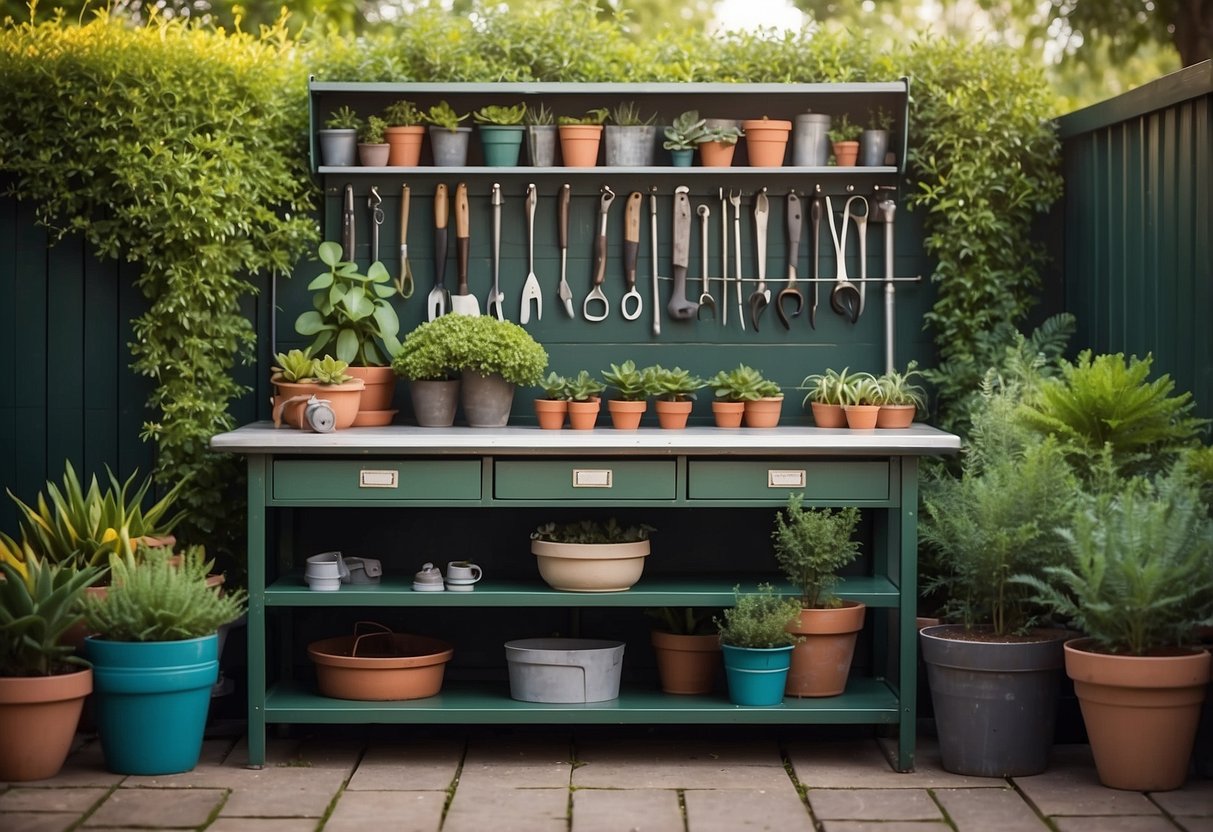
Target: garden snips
(845, 298)
(790, 291)
(761, 297)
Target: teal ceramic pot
(501, 145)
(682, 158)
(756, 677)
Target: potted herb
(874, 140)
(757, 645)
(300, 381)
(687, 646)
(373, 148)
(630, 137)
(404, 133)
(495, 357)
(339, 138)
(552, 408)
(42, 683)
(861, 401)
(810, 140)
(501, 131)
(811, 545)
(718, 142)
(682, 137)
(732, 389)
(155, 660)
(589, 556)
(580, 136)
(900, 399)
(632, 389)
(675, 392)
(844, 137)
(448, 141)
(584, 403)
(541, 136)
(766, 141)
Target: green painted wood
(1178, 87)
(29, 436)
(99, 346)
(337, 481)
(765, 480)
(865, 701)
(9, 229)
(526, 480)
(64, 351)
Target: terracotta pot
(626, 415)
(379, 386)
(345, 400)
(405, 146)
(861, 416)
(551, 413)
(896, 416)
(766, 141)
(845, 154)
(579, 144)
(828, 415)
(673, 415)
(1140, 712)
(38, 717)
(728, 414)
(380, 666)
(373, 155)
(374, 418)
(583, 415)
(763, 413)
(687, 665)
(590, 567)
(716, 154)
(822, 662)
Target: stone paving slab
(979, 810)
(1070, 787)
(157, 808)
(263, 825)
(881, 826)
(37, 821)
(508, 810)
(743, 810)
(424, 766)
(1195, 799)
(1123, 823)
(397, 811)
(844, 764)
(693, 764)
(85, 767)
(517, 763)
(631, 810)
(873, 804)
(26, 799)
(1196, 824)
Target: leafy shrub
(758, 619)
(452, 343)
(811, 545)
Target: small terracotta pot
(373, 155)
(763, 413)
(861, 416)
(405, 144)
(344, 398)
(766, 141)
(626, 415)
(728, 414)
(896, 416)
(551, 413)
(583, 415)
(673, 415)
(828, 415)
(379, 386)
(845, 154)
(716, 154)
(687, 665)
(579, 144)
(821, 663)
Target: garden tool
(762, 295)
(493, 305)
(463, 303)
(861, 225)
(530, 289)
(815, 216)
(405, 284)
(375, 203)
(679, 307)
(653, 240)
(886, 208)
(844, 297)
(631, 250)
(437, 301)
(347, 223)
(706, 301)
(566, 294)
(600, 257)
(735, 199)
(724, 259)
(790, 291)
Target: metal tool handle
(375, 203)
(653, 239)
(532, 199)
(704, 213)
(562, 225)
(761, 211)
(497, 201)
(631, 236)
(462, 232)
(794, 224)
(347, 223)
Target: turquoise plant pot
(756, 676)
(151, 699)
(501, 145)
(682, 158)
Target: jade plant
(592, 532)
(444, 116)
(352, 311)
(758, 620)
(811, 545)
(583, 387)
(630, 384)
(500, 116)
(675, 385)
(743, 384)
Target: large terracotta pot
(38, 717)
(687, 665)
(766, 141)
(380, 666)
(673, 415)
(379, 386)
(822, 661)
(626, 415)
(1140, 712)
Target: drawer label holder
(375, 478)
(593, 478)
(785, 478)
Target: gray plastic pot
(541, 145)
(450, 148)
(338, 147)
(486, 400)
(995, 702)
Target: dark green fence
(1138, 229)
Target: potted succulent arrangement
(405, 133)
(811, 545)
(764, 409)
(675, 392)
(687, 646)
(874, 140)
(501, 132)
(584, 403)
(630, 137)
(861, 401)
(682, 137)
(900, 398)
(632, 387)
(766, 141)
(448, 141)
(718, 142)
(732, 389)
(554, 406)
(495, 358)
(314, 393)
(354, 319)
(589, 556)
(155, 658)
(844, 136)
(42, 683)
(541, 136)
(339, 138)
(580, 137)
(373, 149)
(757, 646)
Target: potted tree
(682, 136)
(766, 141)
(589, 556)
(302, 384)
(554, 406)
(757, 646)
(844, 136)
(630, 137)
(732, 389)
(339, 138)
(373, 149)
(155, 659)
(874, 140)
(687, 646)
(718, 142)
(495, 357)
(541, 136)
(448, 141)
(501, 131)
(580, 136)
(675, 392)
(427, 360)
(42, 682)
(811, 545)
(584, 402)
(632, 390)
(405, 133)
(900, 399)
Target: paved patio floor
(714, 779)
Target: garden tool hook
(706, 301)
(375, 203)
(844, 298)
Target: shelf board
(691, 591)
(865, 701)
(832, 171)
(617, 90)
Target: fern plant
(811, 545)
(38, 604)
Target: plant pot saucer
(374, 418)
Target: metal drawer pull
(785, 479)
(378, 479)
(592, 477)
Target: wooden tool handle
(461, 211)
(563, 224)
(631, 217)
(600, 254)
(405, 196)
(441, 208)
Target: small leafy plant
(444, 116)
(722, 133)
(898, 388)
(683, 621)
(595, 116)
(829, 387)
(861, 389)
(811, 545)
(555, 387)
(447, 345)
(685, 132)
(583, 387)
(540, 116)
(343, 118)
(842, 130)
(402, 113)
(351, 311)
(372, 132)
(329, 370)
(592, 532)
(744, 384)
(627, 114)
(630, 384)
(880, 119)
(676, 385)
(500, 116)
(758, 620)
(294, 366)
(38, 605)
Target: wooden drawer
(584, 479)
(377, 480)
(775, 479)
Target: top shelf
(612, 89)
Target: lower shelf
(866, 701)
